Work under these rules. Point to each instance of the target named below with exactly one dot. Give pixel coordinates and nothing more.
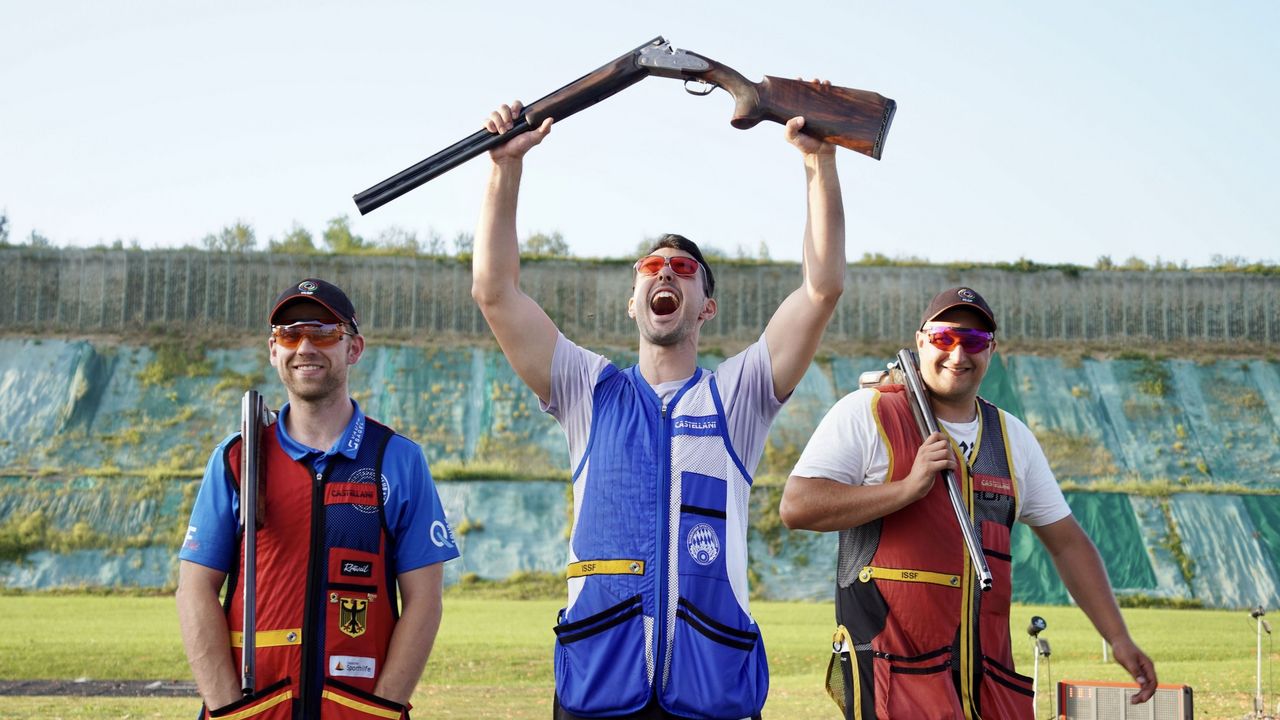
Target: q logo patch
(441, 535)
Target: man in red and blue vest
(926, 643)
(350, 545)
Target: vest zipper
(314, 610)
(664, 518)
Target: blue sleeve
(213, 532)
(415, 516)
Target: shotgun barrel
(928, 424)
(253, 416)
(603, 82)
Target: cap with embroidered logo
(315, 290)
(959, 297)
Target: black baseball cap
(315, 290)
(959, 297)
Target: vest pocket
(340, 701)
(601, 662)
(274, 702)
(702, 525)
(916, 688)
(717, 670)
(1004, 693)
(995, 548)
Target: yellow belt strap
(270, 638)
(605, 567)
(366, 708)
(260, 708)
(920, 576)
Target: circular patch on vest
(365, 475)
(703, 544)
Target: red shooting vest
(326, 603)
(939, 647)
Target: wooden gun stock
(855, 119)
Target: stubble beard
(321, 389)
(950, 392)
(669, 338)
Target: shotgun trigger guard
(699, 90)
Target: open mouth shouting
(664, 302)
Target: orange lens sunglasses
(321, 335)
(680, 265)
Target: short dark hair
(679, 242)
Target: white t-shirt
(745, 382)
(846, 447)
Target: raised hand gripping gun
(906, 370)
(254, 416)
(855, 119)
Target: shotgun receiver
(855, 119)
(907, 371)
(254, 416)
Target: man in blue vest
(349, 521)
(926, 643)
(657, 623)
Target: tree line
(338, 239)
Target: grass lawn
(493, 657)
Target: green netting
(1108, 519)
(1158, 539)
(1035, 579)
(1064, 410)
(504, 527)
(79, 412)
(1230, 422)
(1266, 378)
(1231, 569)
(997, 387)
(1146, 429)
(1174, 420)
(1264, 512)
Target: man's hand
(1132, 659)
(933, 457)
(502, 120)
(807, 144)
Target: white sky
(1053, 131)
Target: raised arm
(525, 333)
(796, 327)
(1081, 570)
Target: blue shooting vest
(658, 560)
